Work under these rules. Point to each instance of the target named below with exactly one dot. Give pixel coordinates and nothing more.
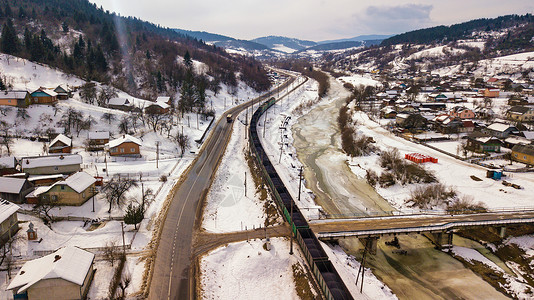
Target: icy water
(317, 140)
(424, 273)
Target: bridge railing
(416, 212)
(426, 228)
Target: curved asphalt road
(171, 276)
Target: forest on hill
(519, 38)
(136, 56)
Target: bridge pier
(442, 239)
(502, 232)
(371, 243)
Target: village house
(500, 130)
(521, 113)
(126, 145)
(52, 164)
(45, 180)
(490, 93)
(523, 153)
(480, 143)
(123, 104)
(388, 112)
(9, 223)
(15, 98)
(74, 190)
(157, 108)
(64, 274)
(446, 124)
(63, 93)
(44, 96)
(61, 144)
(8, 165)
(96, 140)
(461, 112)
(14, 189)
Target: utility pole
(93, 189)
(245, 184)
(123, 245)
(106, 162)
(157, 154)
(246, 123)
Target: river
(424, 273)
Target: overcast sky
(314, 20)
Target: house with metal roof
(126, 145)
(500, 130)
(521, 113)
(44, 96)
(15, 98)
(74, 190)
(9, 224)
(61, 144)
(14, 189)
(523, 153)
(64, 274)
(52, 164)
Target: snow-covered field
(246, 270)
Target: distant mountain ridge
(273, 42)
(360, 38)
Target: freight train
(322, 268)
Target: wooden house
(64, 274)
(15, 98)
(9, 224)
(521, 113)
(126, 145)
(14, 189)
(500, 130)
(63, 93)
(523, 153)
(8, 165)
(157, 108)
(74, 190)
(123, 104)
(61, 144)
(52, 164)
(96, 140)
(44, 96)
(461, 112)
(490, 93)
(482, 143)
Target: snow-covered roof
(529, 135)
(98, 135)
(119, 101)
(500, 127)
(11, 185)
(13, 95)
(7, 209)
(38, 191)
(32, 178)
(163, 99)
(62, 138)
(46, 91)
(7, 162)
(69, 263)
(160, 104)
(125, 138)
(78, 181)
(51, 160)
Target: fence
(90, 249)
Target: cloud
(395, 19)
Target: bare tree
(108, 117)
(44, 207)
(125, 124)
(124, 283)
(4, 110)
(111, 252)
(154, 120)
(5, 139)
(88, 92)
(183, 142)
(106, 93)
(115, 190)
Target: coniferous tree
(9, 41)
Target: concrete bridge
(439, 228)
